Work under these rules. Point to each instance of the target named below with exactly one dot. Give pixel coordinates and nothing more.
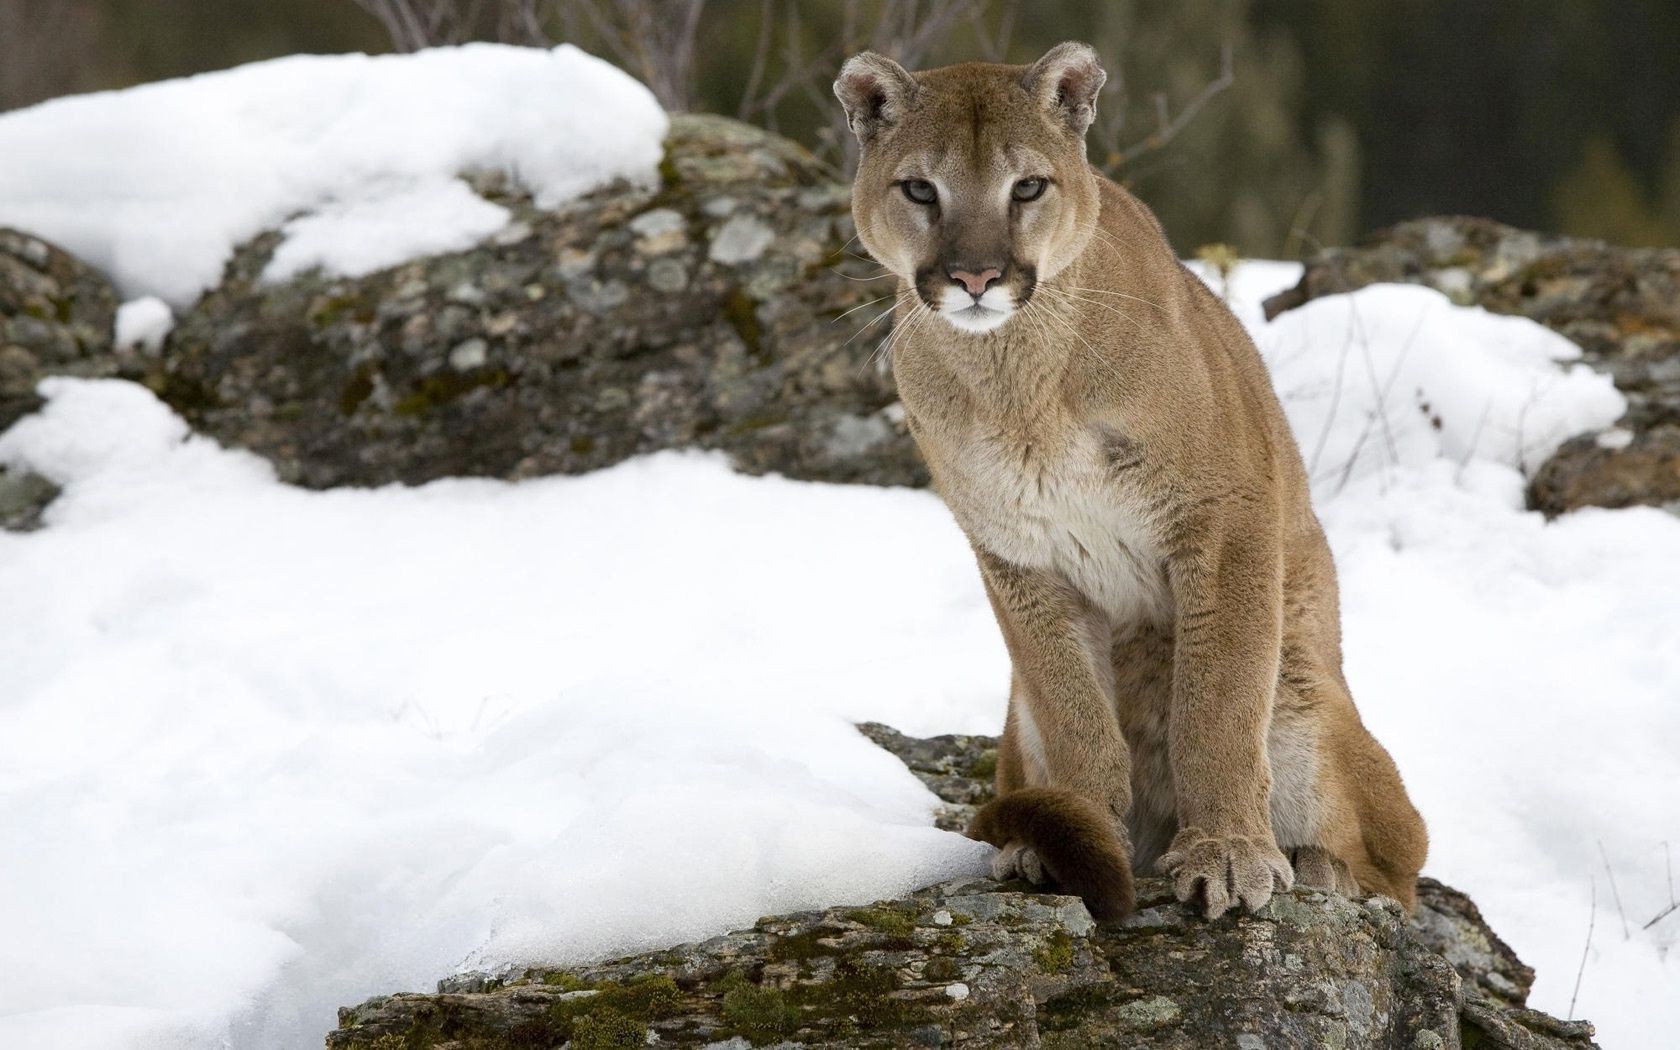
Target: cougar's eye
(1029, 189)
(920, 190)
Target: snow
(381, 229)
(156, 185)
(143, 324)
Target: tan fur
(1116, 455)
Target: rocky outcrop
(24, 496)
(722, 308)
(1621, 305)
(56, 316)
(717, 309)
(984, 964)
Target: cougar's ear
(1066, 81)
(876, 92)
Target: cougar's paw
(1223, 871)
(1317, 867)
(1016, 861)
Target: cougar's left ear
(876, 92)
(1066, 81)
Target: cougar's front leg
(1228, 586)
(1065, 732)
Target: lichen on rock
(714, 310)
(56, 317)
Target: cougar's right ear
(875, 91)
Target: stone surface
(55, 318)
(24, 496)
(984, 964)
(709, 311)
(1621, 305)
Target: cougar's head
(972, 184)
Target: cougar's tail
(1072, 836)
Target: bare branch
(1592, 919)
(761, 54)
(1168, 129)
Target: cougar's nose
(976, 283)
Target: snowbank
(268, 751)
(359, 155)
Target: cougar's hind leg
(1314, 819)
(1319, 869)
(1338, 808)
(1393, 842)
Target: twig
(1661, 915)
(1614, 892)
(1592, 917)
(1167, 128)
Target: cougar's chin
(968, 314)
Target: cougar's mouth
(969, 313)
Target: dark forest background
(1271, 125)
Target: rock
(56, 317)
(1621, 305)
(1588, 471)
(709, 311)
(957, 769)
(24, 496)
(985, 964)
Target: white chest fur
(1061, 508)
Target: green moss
(742, 313)
(444, 387)
(333, 308)
(1072, 1008)
(897, 925)
(760, 1014)
(614, 1010)
(941, 969)
(951, 943)
(984, 766)
(669, 177)
(565, 982)
(607, 1029)
(357, 390)
(1056, 954)
(1471, 1036)
(800, 946)
(861, 992)
(189, 397)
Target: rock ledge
(985, 964)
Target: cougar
(1107, 437)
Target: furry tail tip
(1074, 838)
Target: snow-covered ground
(266, 751)
(357, 157)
